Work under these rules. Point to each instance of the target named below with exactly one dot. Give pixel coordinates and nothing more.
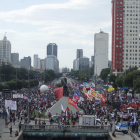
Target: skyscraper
(125, 35)
(15, 58)
(52, 49)
(36, 62)
(100, 51)
(79, 53)
(5, 51)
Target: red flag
(103, 99)
(58, 93)
(73, 103)
(67, 109)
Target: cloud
(70, 25)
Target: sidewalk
(5, 132)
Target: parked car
(125, 115)
(139, 132)
(122, 127)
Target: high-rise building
(51, 62)
(125, 35)
(28, 60)
(5, 51)
(100, 51)
(36, 62)
(26, 63)
(79, 53)
(83, 63)
(52, 49)
(92, 58)
(42, 64)
(15, 58)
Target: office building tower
(42, 64)
(52, 49)
(125, 35)
(92, 58)
(15, 60)
(100, 51)
(5, 51)
(28, 60)
(79, 53)
(24, 63)
(51, 62)
(83, 63)
(36, 62)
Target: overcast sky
(71, 24)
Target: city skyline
(71, 24)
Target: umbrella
(130, 108)
(25, 97)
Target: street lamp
(29, 100)
(107, 87)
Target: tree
(104, 73)
(119, 81)
(5, 86)
(136, 84)
(112, 78)
(1, 87)
(131, 69)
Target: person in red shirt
(73, 122)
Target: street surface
(5, 133)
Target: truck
(89, 120)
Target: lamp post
(29, 100)
(107, 87)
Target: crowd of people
(41, 102)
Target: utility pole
(107, 88)
(29, 99)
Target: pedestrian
(19, 126)
(111, 124)
(10, 131)
(14, 120)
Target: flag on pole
(76, 96)
(62, 108)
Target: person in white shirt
(106, 121)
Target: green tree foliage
(1, 87)
(112, 78)
(136, 84)
(119, 81)
(83, 75)
(131, 69)
(104, 73)
(48, 75)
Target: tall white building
(36, 62)
(100, 51)
(125, 35)
(51, 62)
(5, 51)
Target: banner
(17, 95)
(120, 96)
(58, 93)
(85, 91)
(95, 94)
(9, 104)
(73, 103)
